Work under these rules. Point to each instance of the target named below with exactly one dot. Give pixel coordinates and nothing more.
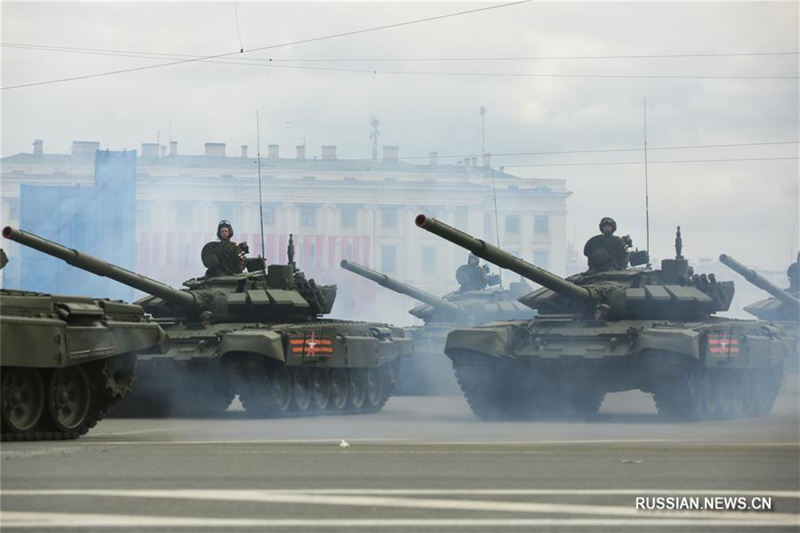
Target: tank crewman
(606, 251)
(472, 277)
(794, 276)
(224, 257)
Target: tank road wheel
(339, 388)
(301, 388)
(683, 398)
(320, 388)
(356, 387)
(69, 400)
(375, 396)
(22, 402)
(281, 388)
(713, 401)
(588, 401)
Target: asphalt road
(422, 464)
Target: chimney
(487, 160)
(173, 148)
(38, 147)
(150, 150)
(272, 152)
(390, 153)
(301, 152)
(215, 150)
(328, 151)
(434, 158)
(244, 151)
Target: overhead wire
(604, 163)
(269, 47)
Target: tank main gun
(759, 281)
(398, 286)
(101, 268)
(503, 259)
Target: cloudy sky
(554, 77)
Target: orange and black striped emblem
(311, 344)
(723, 344)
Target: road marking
(308, 498)
(77, 520)
(37, 453)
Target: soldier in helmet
(471, 276)
(606, 251)
(794, 276)
(224, 257)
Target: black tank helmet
(608, 220)
(224, 224)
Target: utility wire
(607, 150)
(140, 53)
(269, 47)
(598, 163)
(270, 62)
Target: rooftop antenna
(260, 203)
(646, 186)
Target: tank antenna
(646, 187)
(494, 187)
(260, 203)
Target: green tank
(783, 307)
(638, 328)
(66, 360)
(258, 334)
(426, 371)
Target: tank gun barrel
(101, 268)
(398, 286)
(495, 255)
(758, 280)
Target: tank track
(518, 389)
(715, 393)
(183, 393)
(106, 386)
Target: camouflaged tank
(617, 330)
(427, 371)
(257, 334)
(66, 360)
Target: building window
(268, 212)
(428, 261)
(540, 224)
(308, 216)
(540, 259)
(348, 214)
(388, 254)
(229, 211)
(388, 218)
(512, 223)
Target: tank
(66, 360)
(783, 307)
(639, 328)
(259, 334)
(426, 371)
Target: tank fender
(264, 342)
(490, 340)
(684, 341)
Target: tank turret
(281, 291)
(783, 306)
(673, 291)
(403, 288)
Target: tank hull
(66, 360)
(709, 369)
(292, 369)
